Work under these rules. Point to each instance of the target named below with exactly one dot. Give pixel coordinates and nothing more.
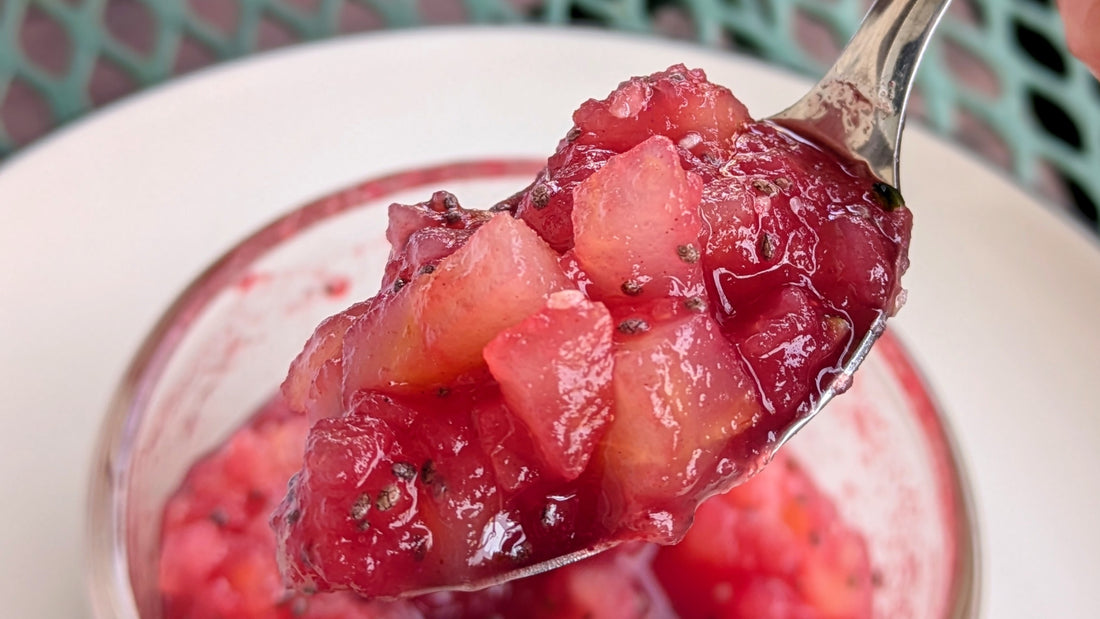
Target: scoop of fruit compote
(584, 363)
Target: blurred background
(998, 80)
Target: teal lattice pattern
(998, 78)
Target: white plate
(102, 224)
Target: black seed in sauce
(766, 246)
(427, 472)
(387, 498)
(765, 187)
(695, 304)
(404, 470)
(688, 253)
(631, 288)
(360, 508)
(630, 326)
(540, 196)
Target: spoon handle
(859, 106)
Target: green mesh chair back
(998, 78)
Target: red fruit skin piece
(398, 496)
(548, 204)
(472, 528)
(779, 211)
(856, 262)
(431, 332)
(637, 226)
(217, 551)
(554, 370)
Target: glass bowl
(881, 451)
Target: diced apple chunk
(637, 225)
(384, 348)
(554, 370)
(681, 393)
(432, 331)
(502, 275)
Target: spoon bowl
(858, 109)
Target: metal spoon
(858, 109)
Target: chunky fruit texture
(585, 363)
(774, 547)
